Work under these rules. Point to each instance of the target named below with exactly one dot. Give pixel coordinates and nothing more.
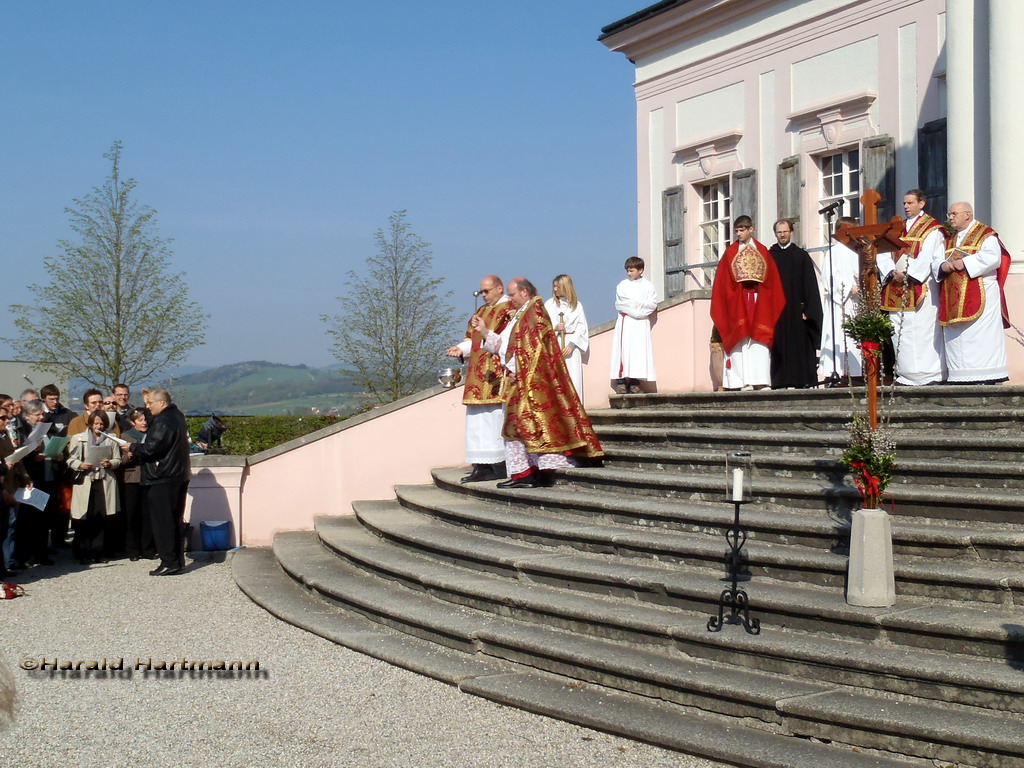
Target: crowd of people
(113, 478)
(777, 316)
(943, 292)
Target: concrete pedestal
(870, 581)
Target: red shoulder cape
(728, 309)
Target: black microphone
(831, 208)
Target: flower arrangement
(871, 459)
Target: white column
(1006, 61)
(960, 98)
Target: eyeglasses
(108, 402)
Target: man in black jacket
(165, 475)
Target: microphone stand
(833, 379)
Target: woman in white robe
(840, 281)
(570, 323)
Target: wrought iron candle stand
(739, 475)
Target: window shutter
(672, 213)
(789, 184)
(931, 166)
(879, 163)
(744, 195)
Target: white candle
(737, 484)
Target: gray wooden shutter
(789, 185)
(879, 163)
(743, 191)
(672, 213)
(931, 166)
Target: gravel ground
(313, 703)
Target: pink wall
(362, 458)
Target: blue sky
(274, 138)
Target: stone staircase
(589, 600)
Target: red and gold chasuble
(542, 409)
(746, 297)
(896, 298)
(485, 371)
(961, 297)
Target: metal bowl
(449, 377)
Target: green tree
(110, 309)
(394, 320)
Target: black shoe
(480, 473)
(522, 482)
(16, 566)
(135, 558)
(165, 570)
(44, 561)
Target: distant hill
(260, 387)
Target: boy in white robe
(632, 351)
(840, 281)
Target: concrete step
(941, 448)
(932, 503)
(927, 577)
(974, 541)
(948, 397)
(634, 602)
(633, 716)
(752, 416)
(927, 729)
(994, 475)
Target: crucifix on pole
(869, 240)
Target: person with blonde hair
(570, 324)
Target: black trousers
(165, 503)
(90, 531)
(138, 527)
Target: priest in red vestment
(546, 427)
(746, 301)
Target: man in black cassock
(798, 330)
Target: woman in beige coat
(91, 456)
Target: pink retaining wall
(362, 458)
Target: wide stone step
(974, 541)
(945, 397)
(975, 504)
(923, 728)
(637, 603)
(634, 716)
(943, 449)
(1007, 421)
(928, 577)
(957, 474)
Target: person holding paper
(94, 501)
(32, 526)
(14, 477)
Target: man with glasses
(120, 395)
(485, 448)
(972, 307)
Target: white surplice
(976, 351)
(577, 336)
(917, 335)
(844, 270)
(632, 351)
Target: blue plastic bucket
(216, 534)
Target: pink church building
(778, 108)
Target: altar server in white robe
(632, 351)
(840, 280)
(910, 295)
(972, 307)
(570, 323)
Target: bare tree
(394, 320)
(109, 311)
